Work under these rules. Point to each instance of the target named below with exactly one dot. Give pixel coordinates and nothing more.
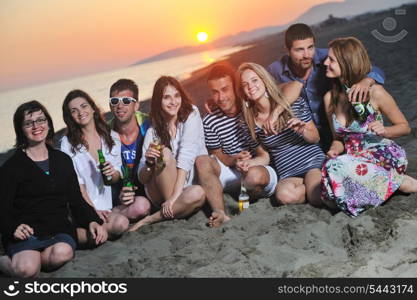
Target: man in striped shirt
(234, 156)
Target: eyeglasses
(30, 123)
(126, 100)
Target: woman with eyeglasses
(86, 133)
(171, 145)
(37, 186)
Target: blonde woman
(295, 155)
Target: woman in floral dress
(373, 166)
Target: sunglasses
(30, 123)
(126, 100)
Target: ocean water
(98, 85)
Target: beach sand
(286, 241)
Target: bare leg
(135, 211)
(208, 170)
(312, 182)
(115, 226)
(290, 191)
(55, 256)
(255, 181)
(409, 185)
(26, 264)
(162, 185)
(190, 200)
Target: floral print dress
(369, 173)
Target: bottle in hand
(157, 144)
(127, 175)
(102, 160)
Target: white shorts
(230, 179)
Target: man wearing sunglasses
(131, 125)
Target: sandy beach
(286, 241)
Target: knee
(61, 253)
(286, 196)
(254, 178)
(26, 268)
(168, 156)
(120, 224)
(196, 196)
(141, 207)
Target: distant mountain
(314, 15)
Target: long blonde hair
(354, 65)
(276, 97)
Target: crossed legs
(161, 187)
(208, 170)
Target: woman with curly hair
(171, 145)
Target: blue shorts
(34, 243)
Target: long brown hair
(354, 65)
(74, 132)
(157, 117)
(275, 98)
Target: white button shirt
(186, 146)
(89, 174)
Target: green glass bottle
(127, 175)
(102, 160)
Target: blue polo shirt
(317, 83)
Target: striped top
(228, 133)
(290, 154)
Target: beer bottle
(243, 198)
(159, 162)
(102, 160)
(127, 175)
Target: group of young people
(306, 129)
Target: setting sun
(202, 37)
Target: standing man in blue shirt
(305, 63)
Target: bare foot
(145, 221)
(409, 185)
(136, 226)
(217, 218)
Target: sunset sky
(45, 40)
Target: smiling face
(252, 84)
(81, 111)
(171, 101)
(35, 127)
(302, 53)
(332, 65)
(122, 112)
(223, 94)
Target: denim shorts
(39, 244)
